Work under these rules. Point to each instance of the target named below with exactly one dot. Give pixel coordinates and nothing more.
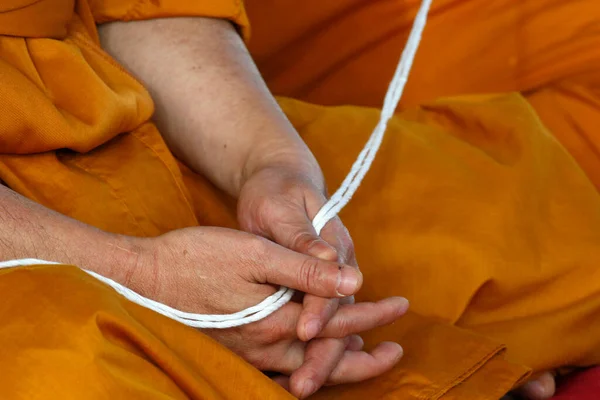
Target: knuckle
(257, 245)
(313, 373)
(310, 274)
(257, 251)
(269, 330)
(344, 327)
(301, 240)
(268, 333)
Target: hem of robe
(441, 361)
(68, 336)
(137, 10)
(506, 376)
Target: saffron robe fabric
(482, 206)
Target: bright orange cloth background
(473, 210)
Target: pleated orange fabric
(108, 347)
(345, 52)
(473, 210)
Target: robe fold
(482, 206)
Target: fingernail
(312, 328)
(308, 388)
(400, 354)
(348, 281)
(323, 250)
(404, 304)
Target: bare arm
(212, 106)
(28, 230)
(231, 123)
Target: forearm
(28, 230)
(212, 106)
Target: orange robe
(473, 210)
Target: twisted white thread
(339, 199)
(362, 164)
(252, 314)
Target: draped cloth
(481, 208)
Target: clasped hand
(279, 202)
(313, 340)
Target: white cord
(339, 199)
(252, 314)
(362, 164)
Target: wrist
(285, 156)
(28, 230)
(120, 258)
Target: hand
(199, 128)
(220, 271)
(278, 202)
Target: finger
(283, 381)
(336, 234)
(297, 233)
(308, 274)
(315, 315)
(301, 237)
(294, 230)
(320, 359)
(315, 246)
(350, 319)
(283, 357)
(541, 388)
(355, 343)
(356, 318)
(357, 366)
(317, 310)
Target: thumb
(297, 233)
(311, 275)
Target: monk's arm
(218, 116)
(212, 106)
(29, 230)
